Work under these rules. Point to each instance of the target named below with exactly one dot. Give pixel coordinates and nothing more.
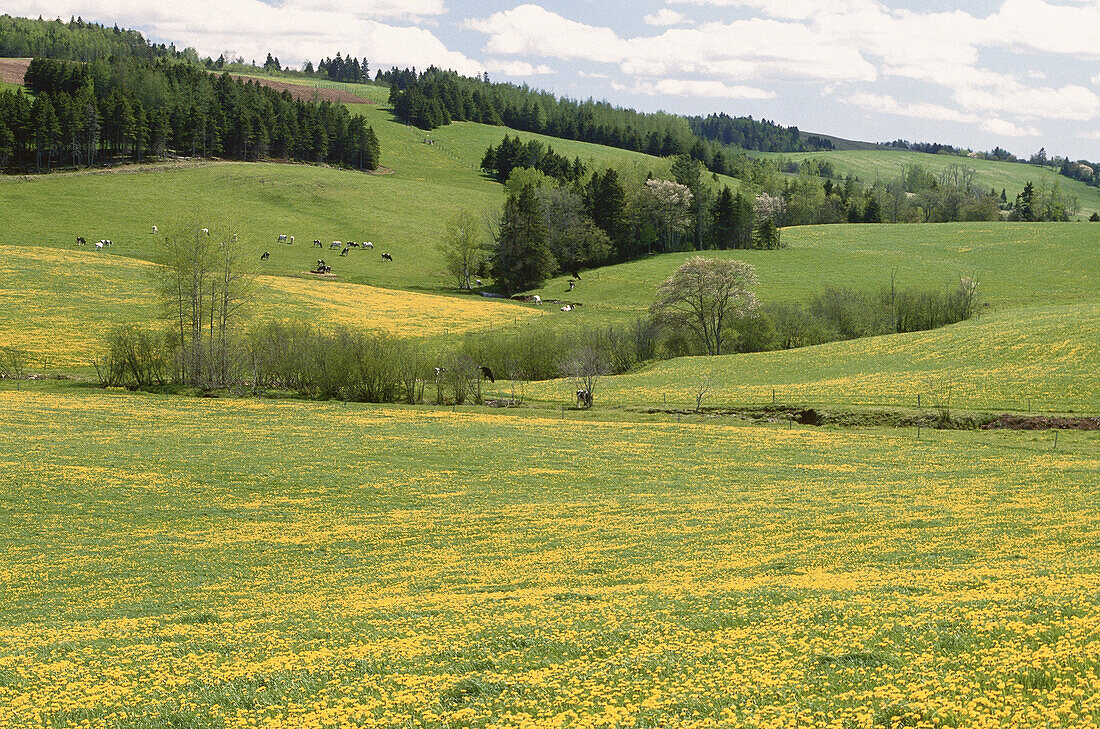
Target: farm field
(870, 165)
(89, 293)
(1004, 360)
(239, 563)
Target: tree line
(78, 40)
(125, 109)
(435, 98)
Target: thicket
(83, 115)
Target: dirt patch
(301, 92)
(12, 70)
(1042, 422)
(315, 274)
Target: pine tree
(522, 259)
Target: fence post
(773, 396)
(918, 400)
(1056, 439)
(918, 431)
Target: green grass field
(885, 164)
(241, 563)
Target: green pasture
(1044, 356)
(885, 164)
(233, 563)
(1017, 264)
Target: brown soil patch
(308, 93)
(1043, 422)
(12, 70)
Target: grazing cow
(154, 230)
(537, 298)
(265, 256)
(317, 243)
(368, 244)
(291, 241)
(345, 251)
(387, 257)
(204, 231)
(335, 244)
(584, 399)
(439, 371)
(282, 238)
(107, 242)
(478, 281)
(567, 307)
(487, 373)
(80, 241)
(572, 284)
(99, 245)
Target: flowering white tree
(704, 295)
(669, 206)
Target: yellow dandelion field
(172, 562)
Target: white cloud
(1096, 79)
(1007, 129)
(706, 89)
(886, 104)
(664, 17)
(534, 31)
(294, 31)
(1092, 135)
(1075, 103)
(516, 68)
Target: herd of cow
(344, 248)
(322, 267)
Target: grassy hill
(884, 164)
(58, 305)
(1016, 263)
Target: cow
(567, 307)
(154, 230)
(368, 244)
(204, 231)
(99, 245)
(478, 281)
(265, 256)
(487, 373)
(282, 238)
(387, 257)
(317, 243)
(335, 244)
(572, 284)
(584, 399)
(80, 241)
(537, 299)
(291, 241)
(345, 251)
(352, 244)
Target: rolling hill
(884, 164)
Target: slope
(59, 305)
(885, 164)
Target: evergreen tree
(607, 208)
(724, 219)
(522, 259)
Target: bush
(134, 358)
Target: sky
(1019, 74)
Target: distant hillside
(77, 40)
(840, 143)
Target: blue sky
(1019, 74)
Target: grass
(884, 164)
(1004, 360)
(88, 293)
(1017, 264)
(232, 563)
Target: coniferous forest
(123, 109)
